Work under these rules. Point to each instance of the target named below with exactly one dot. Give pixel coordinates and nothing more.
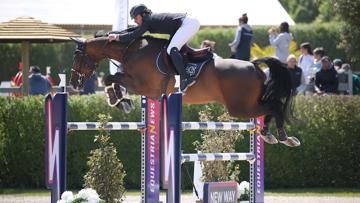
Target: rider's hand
(112, 37)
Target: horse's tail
(277, 89)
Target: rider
(179, 26)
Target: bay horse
(238, 85)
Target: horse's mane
(101, 34)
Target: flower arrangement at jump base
(243, 192)
(86, 195)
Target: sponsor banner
(220, 192)
(259, 165)
(152, 152)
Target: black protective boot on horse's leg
(283, 138)
(265, 132)
(177, 59)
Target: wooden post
(25, 56)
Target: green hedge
(319, 35)
(59, 56)
(328, 128)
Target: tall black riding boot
(186, 81)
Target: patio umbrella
(26, 30)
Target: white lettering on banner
(223, 197)
(216, 197)
(229, 196)
(152, 146)
(258, 165)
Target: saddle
(194, 60)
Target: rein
(84, 59)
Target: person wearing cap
(337, 64)
(326, 80)
(241, 45)
(180, 26)
(38, 83)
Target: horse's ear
(77, 40)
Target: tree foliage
(302, 11)
(106, 172)
(310, 10)
(218, 142)
(349, 13)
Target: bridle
(84, 59)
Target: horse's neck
(145, 47)
(100, 49)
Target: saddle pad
(193, 69)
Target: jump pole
(56, 131)
(173, 158)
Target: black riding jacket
(162, 23)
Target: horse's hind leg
(279, 120)
(265, 131)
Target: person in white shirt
(281, 42)
(305, 61)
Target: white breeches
(186, 31)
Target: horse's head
(83, 65)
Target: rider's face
(138, 19)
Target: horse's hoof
(269, 138)
(291, 142)
(126, 105)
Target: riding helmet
(137, 9)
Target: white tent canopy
(209, 12)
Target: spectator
(209, 44)
(38, 83)
(48, 76)
(281, 41)
(306, 60)
(326, 80)
(318, 54)
(16, 81)
(241, 45)
(355, 79)
(297, 78)
(90, 85)
(337, 64)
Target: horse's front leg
(118, 78)
(116, 91)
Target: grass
(350, 192)
(336, 192)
